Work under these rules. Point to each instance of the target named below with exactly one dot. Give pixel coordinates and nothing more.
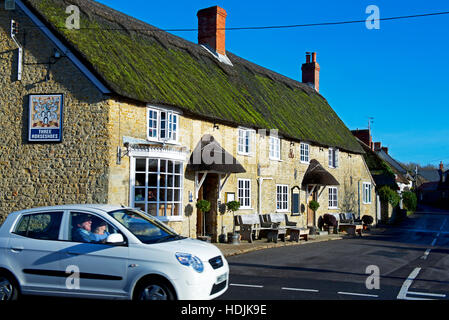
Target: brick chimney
(385, 149)
(377, 146)
(212, 28)
(364, 135)
(311, 72)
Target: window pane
(140, 179)
(23, 226)
(163, 167)
(140, 165)
(152, 194)
(139, 194)
(44, 226)
(152, 165)
(152, 180)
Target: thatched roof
(209, 155)
(316, 174)
(140, 62)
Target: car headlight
(190, 261)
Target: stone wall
(40, 174)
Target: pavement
(229, 249)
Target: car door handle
(17, 249)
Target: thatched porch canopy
(317, 175)
(209, 156)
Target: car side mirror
(115, 238)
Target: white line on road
(442, 226)
(359, 294)
(434, 241)
(427, 294)
(426, 254)
(245, 285)
(407, 283)
(299, 289)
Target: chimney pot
(212, 28)
(311, 72)
(441, 166)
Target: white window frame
(304, 152)
(333, 197)
(275, 148)
(333, 155)
(245, 135)
(282, 190)
(170, 115)
(245, 201)
(367, 193)
(158, 188)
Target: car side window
(89, 228)
(41, 226)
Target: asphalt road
(411, 260)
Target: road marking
(406, 285)
(426, 254)
(442, 226)
(245, 285)
(299, 289)
(428, 294)
(359, 294)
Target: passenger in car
(83, 230)
(99, 232)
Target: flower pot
(331, 229)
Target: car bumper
(209, 284)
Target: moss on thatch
(143, 63)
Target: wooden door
(310, 213)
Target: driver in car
(83, 231)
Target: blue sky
(397, 74)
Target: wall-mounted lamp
(216, 126)
(121, 154)
(292, 144)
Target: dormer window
(163, 125)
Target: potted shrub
(233, 206)
(367, 221)
(314, 205)
(331, 222)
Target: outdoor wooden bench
(286, 228)
(349, 223)
(252, 226)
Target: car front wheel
(8, 288)
(154, 290)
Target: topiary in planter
(314, 205)
(233, 206)
(203, 205)
(330, 220)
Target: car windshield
(146, 228)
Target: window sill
(304, 162)
(245, 154)
(170, 218)
(246, 208)
(282, 211)
(333, 208)
(278, 160)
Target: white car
(126, 254)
